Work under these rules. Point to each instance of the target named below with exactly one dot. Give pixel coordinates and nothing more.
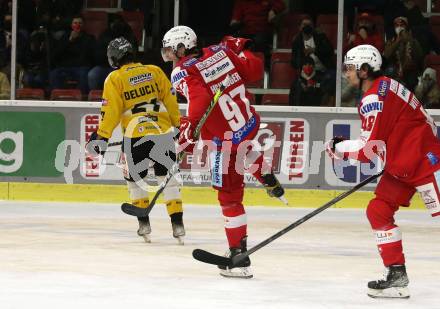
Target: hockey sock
(174, 206)
(235, 224)
(389, 243)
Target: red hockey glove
(237, 45)
(96, 145)
(186, 136)
(330, 147)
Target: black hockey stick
(132, 210)
(210, 258)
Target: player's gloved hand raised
(237, 45)
(330, 147)
(96, 145)
(186, 136)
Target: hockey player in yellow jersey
(142, 99)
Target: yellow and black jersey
(141, 97)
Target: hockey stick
(210, 258)
(132, 210)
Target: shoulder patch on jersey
(383, 88)
(190, 62)
(178, 75)
(371, 103)
(211, 60)
(403, 93)
(414, 103)
(215, 48)
(394, 85)
(145, 77)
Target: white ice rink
(62, 256)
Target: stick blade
(210, 258)
(132, 210)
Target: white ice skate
(394, 284)
(178, 232)
(242, 270)
(144, 228)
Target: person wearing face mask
(72, 57)
(316, 45)
(117, 28)
(307, 89)
(366, 33)
(427, 90)
(404, 55)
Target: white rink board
(55, 255)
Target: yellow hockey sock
(174, 206)
(141, 203)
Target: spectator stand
(97, 7)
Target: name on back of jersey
(139, 92)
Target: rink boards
(42, 155)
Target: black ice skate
(273, 187)
(394, 285)
(242, 270)
(178, 227)
(144, 228)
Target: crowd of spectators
(55, 51)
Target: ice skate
(274, 188)
(242, 270)
(394, 284)
(144, 228)
(178, 227)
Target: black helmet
(117, 50)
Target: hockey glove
(96, 145)
(186, 136)
(237, 45)
(330, 147)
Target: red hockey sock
(235, 224)
(389, 243)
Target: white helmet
(180, 35)
(361, 54)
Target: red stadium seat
(281, 74)
(136, 21)
(328, 23)
(275, 99)
(95, 22)
(102, 3)
(434, 22)
(258, 83)
(30, 93)
(378, 20)
(95, 95)
(281, 56)
(66, 95)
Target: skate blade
(241, 273)
(393, 292)
(284, 200)
(180, 240)
(146, 238)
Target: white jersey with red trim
(198, 80)
(394, 121)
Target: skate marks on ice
(89, 256)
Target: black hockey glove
(96, 145)
(330, 147)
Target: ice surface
(60, 255)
